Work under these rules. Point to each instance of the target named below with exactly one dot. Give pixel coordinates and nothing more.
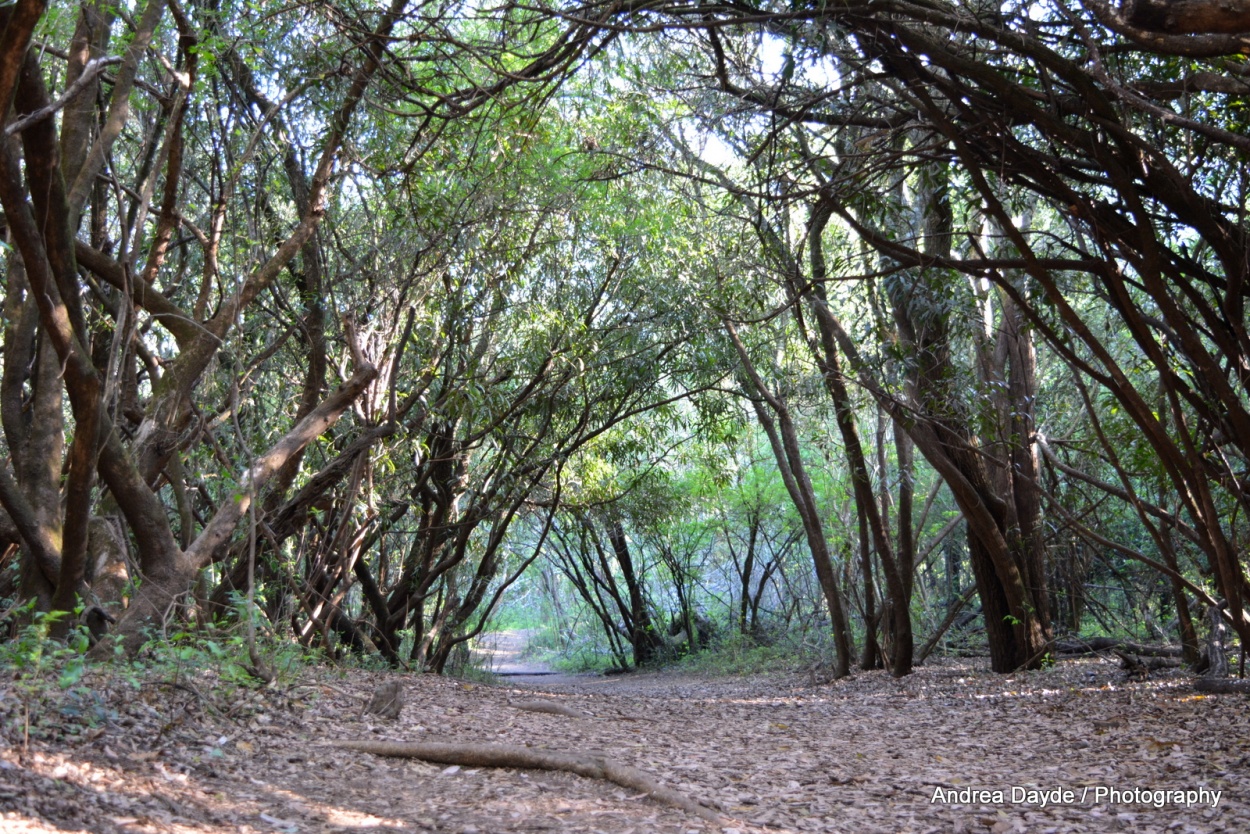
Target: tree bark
(827, 357)
(1188, 17)
(643, 635)
(162, 587)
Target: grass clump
(572, 654)
(738, 654)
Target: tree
(133, 395)
(342, 308)
(1026, 131)
(759, 536)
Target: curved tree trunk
(171, 578)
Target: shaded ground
(775, 753)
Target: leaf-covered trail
(773, 753)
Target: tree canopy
(689, 318)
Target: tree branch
(93, 68)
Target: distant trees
(760, 540)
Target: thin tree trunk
(870, 658)
(825, 350)
(643, 637)
(783, 437)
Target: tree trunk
(825, 350)
(870, 657)
(168, 580)
(783, 437)
(643, 636)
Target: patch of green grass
(579, 661)
(576, 655)
(738, 655)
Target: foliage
(611, 322)
(739, 654)
(37, 667)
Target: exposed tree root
(1093, 645)
(548, 706)
(1140, 667)
(1222, 685)
(508, 755)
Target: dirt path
(773, 753)
(503, 653)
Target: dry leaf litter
(776, 753)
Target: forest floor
(776, 753)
